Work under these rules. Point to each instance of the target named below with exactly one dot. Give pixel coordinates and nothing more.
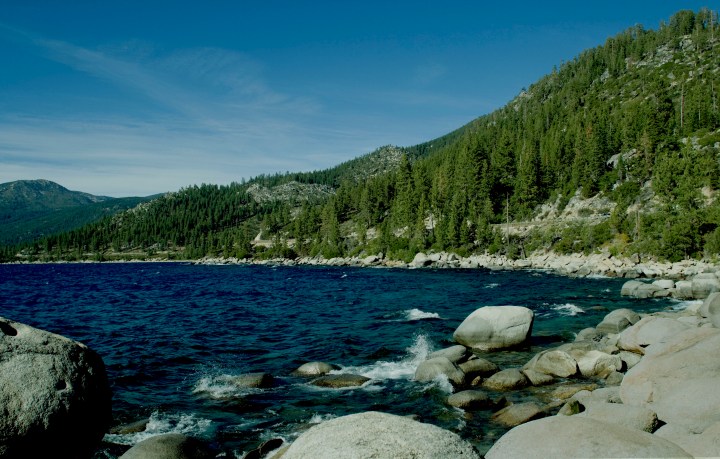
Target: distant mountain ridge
(32, 209)
(29, 195)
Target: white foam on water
(400, 369)
(684, 304)
(440, 382)
(417, 314)
(222, 387)
(165, 423)
(492, 285)
(567, 309)
(318, 418)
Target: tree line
(634, 120)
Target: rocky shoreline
(576, 265)
(636, 385)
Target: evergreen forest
(616, 150)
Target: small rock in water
(470, 400)
(253, 380)
(340, 381)
(509, 379)
(432, 368)
(478, 367)
(518, 413)
(130, 428)
(170, 446)
(315, 369)
(536, 378)
(553, 362)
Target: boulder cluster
(575, 265)
(633, 386)
(666, 403)
(697, 287)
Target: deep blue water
(169, 332)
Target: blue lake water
(169, 333)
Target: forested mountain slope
(625, 135)
(32, 209)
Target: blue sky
(136, 98)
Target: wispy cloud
(196, 115)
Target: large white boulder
(632, 417)
(378, 435)
(420, 260)
(561, 437)
(54, 394)
(711, 308)
(495, 327)
(649, 330)
(642, 290)
(704, 284)
(679, 379)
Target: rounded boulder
(315, 369)
(495, 327)
(54, 394)
(375, 434)
(437, 366)
(170, 446)
(573, 436)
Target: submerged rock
(252, 380)
(54, 394)
(378, 435)
(495, 327)
(340, 381)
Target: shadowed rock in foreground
(54, 395)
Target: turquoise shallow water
(171, 333)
